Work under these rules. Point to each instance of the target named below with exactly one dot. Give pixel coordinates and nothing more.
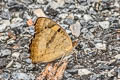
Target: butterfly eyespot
(59, 30)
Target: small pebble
(100, 46)
(28, 60)
(2, 27)
(117, 56)
(3, 62)
(87, 18)
(104, 24)
(39, 13)
(9, 64)
(83, 72)
(16, 54)
(5, 52)
(5, 76)
(75, 28)
(17, 65)
(20, 76)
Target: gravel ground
(95, 23)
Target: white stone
(40, 1)
(101, 46)
(20, 76)
(9, 64)
(87, 17)
(116, 4)
(2, 27)
(16, 54)
(83, 72)
(104, 24)
(16, 20)
(117, 56)
(39, 13)
(53, 5)
(75, 28)
(63, 15)
(58, 3)
(6, 22)
(68, 31)
(81, 7)
(17, 65)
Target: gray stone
(81, 7)
(119, 74)
(20, 76)
(88, 35)
(104, 24)
(5, 76)
(70, 79)
(17, 65)
(58, 3)
(24, 55)
(3, 62)
(103, 66)
(32, 77)
(3, 37)
(5, 52)
(5, 14)
(4, 24)
(84, 30)
(67, 75)
(26, 1)
(28, 60)
(2, 27)
(95, 76)
(31, 66)
(72, 71)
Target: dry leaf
(45, 72)
(53, 72)
(60, 71)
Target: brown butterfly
(50, 41)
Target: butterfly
(50, 41)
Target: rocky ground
(96, 23)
